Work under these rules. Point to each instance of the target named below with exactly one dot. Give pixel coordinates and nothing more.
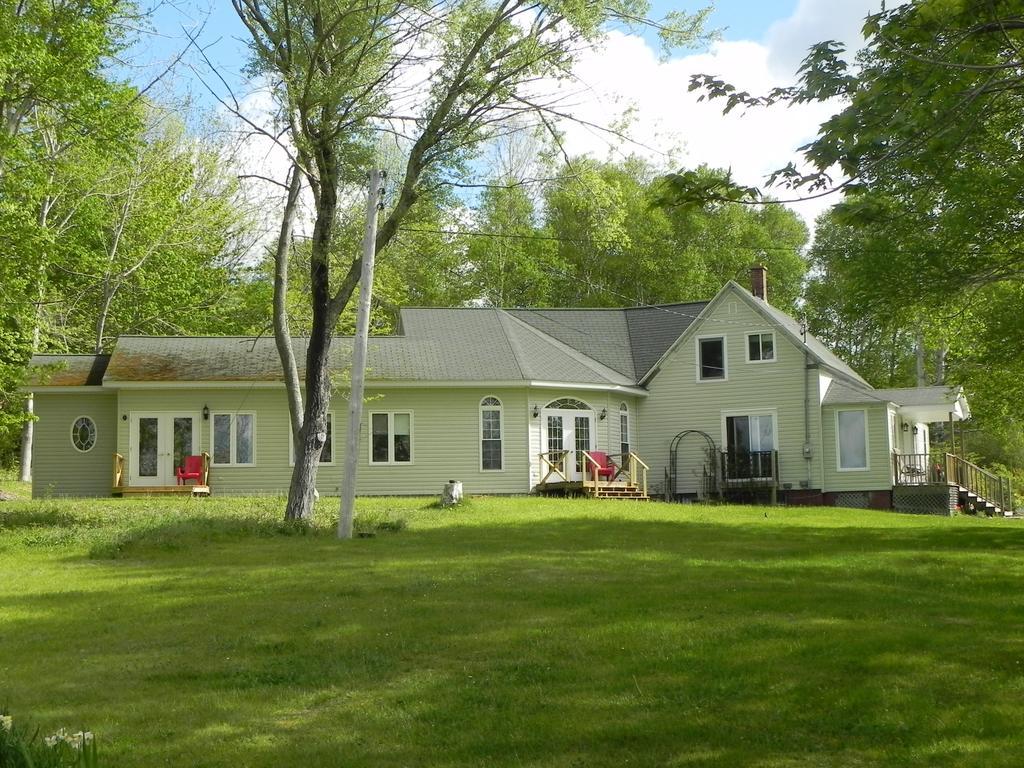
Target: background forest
(125, 211)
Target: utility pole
(374, 204)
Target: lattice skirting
(854, 499)
(926, 499)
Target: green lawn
(516, 632)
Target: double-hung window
(391, 438)
(760, 347)
(851, 440)
(234, 439)
(490, 434)
(711, 358)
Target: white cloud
(812, 22)
(667, 117)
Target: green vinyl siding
(445, 439)
(58, 469)
(678, 401)
(878, 475)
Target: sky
(762, 43)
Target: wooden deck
(614, 490)
(161, 490)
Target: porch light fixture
(206, 413)
(536, 410)
(915, 429)
(604, 414)
(906, 427)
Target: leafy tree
(929, 140)
(331, 66)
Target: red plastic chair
(605, 466)
(192, 470)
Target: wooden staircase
(980, 491)
(616, 490)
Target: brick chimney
(759, 282)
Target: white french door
(157, 443)
(572, 431)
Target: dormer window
(711, 358)
(760, 347)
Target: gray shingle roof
(920, 396)
(68, 370)
(628, 340)
(439, 345)
(607, 347)
(840, 393)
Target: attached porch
(944, 483)
(192, 468)
(594, 473)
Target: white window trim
(725, 356)
(867, 442)
(624, 411)
(773, 412)
(234, 438)
(501, 429)
(291, 444)
(95, 429)
(775, 346)
(391, 443)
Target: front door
(571, 431)
(158, 443)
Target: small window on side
(711, 358)
(760, 347)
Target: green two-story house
(726, 398)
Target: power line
(733, 246)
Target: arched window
(490, 435)
(83, 434)
(568, 404)
(624, 429)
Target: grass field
(515, 632)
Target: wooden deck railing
(982, 483)
(628, 464)
(917, 469)
(554, 463)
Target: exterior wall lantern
(604, 414)
(536, 410)
(206, 413)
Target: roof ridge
(503, 319)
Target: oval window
(83, 434)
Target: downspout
(808, 448)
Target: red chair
(605, 466)
(192, 470)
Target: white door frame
(165, 474)
(568, 437)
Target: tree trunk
(313, 433)
(359, 345)
(282, 333)
(919, 343)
